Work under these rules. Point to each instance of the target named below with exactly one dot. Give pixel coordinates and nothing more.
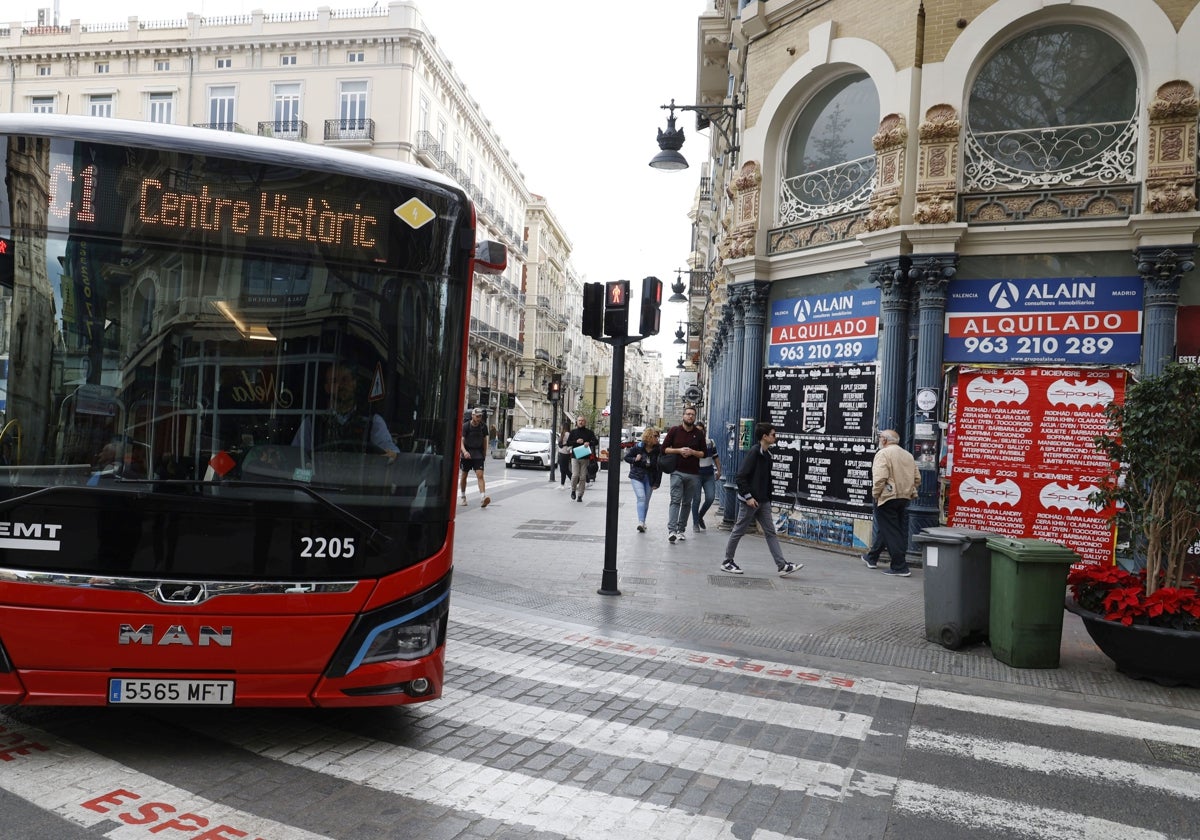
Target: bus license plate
(171, 692)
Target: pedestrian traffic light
(593, 310)
(616, 308)
(651, 306)
(553, 389)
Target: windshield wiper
(376, 539)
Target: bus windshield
(212, 362)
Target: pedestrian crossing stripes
(553, 731)
(90, 790)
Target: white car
(529, 448)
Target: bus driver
(344, 423)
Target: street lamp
(679, 335)
(681, 365)
(677, 288)
(671, 141)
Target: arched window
(1055, 106)
(830, 164)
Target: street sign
(693, 394)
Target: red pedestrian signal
(616, 308)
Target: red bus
(232, 372)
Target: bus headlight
(407, 641)
(411, 628)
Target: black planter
(1166, 656)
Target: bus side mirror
(490, 257)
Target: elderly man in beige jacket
(895, 480)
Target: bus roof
(228, 143)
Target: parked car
(529, 448)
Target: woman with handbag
(583, 442)
(564, 454)
(644, 474)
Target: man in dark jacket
(754, 503)
(581, 435)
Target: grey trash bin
(958, 575)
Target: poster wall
(1024, 460)
(823, 416)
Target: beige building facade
(920, 164)
(369, 80)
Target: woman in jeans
(710, 471)
(643, 472)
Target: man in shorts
(474, 449)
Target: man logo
(1004, 295)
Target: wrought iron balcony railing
(284, 129)
(827, 192)
(221, 126)
(361, 129)
(1069, 155)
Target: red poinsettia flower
(1119, 595)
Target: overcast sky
(573, 89)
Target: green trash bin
(1029, 581)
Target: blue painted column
(733, 365)
(1162, 270)
(932, 274)
(892, 279)
(754, 316)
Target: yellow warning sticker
(415, 213)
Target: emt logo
(30, 536)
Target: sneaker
(731, 567)
(580, 499)
(572, 495)
(679, 535)
(463, 501)
(671, 537)
(487, 500)
(696, 529)
(641, 527)
(898, 572)
(788, 568)
(871, 564)
(700, 524)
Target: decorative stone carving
(937, 166)
(1171, 150)
(745, 197)
(889, 143)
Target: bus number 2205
(327, 547)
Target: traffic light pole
(608, 580)
(606, 318)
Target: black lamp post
(678, 288)
(671, 141)
(680, 335)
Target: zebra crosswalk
(548, 731)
